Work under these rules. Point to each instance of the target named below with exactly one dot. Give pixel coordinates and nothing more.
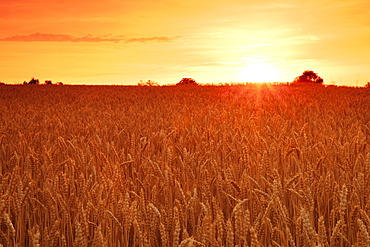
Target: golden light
(259, 71)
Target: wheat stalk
(364, 231)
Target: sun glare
(259, 72)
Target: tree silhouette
(308, 76)
(149, 83)
(48, 82)
(34, 81)
(187, 81)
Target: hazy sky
(125, 41)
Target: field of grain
(184, 166)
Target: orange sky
(125, 41)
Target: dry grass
(176, 166)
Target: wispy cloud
(162, 39)
(48, 37)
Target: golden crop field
(184, 166)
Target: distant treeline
(34, 81)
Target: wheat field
(243, 165)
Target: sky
(122, 42)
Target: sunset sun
(259, 72)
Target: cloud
(162, 39)
(48, 37)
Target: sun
(258, 71)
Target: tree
(187, 81)
(149, 83)
(48, 82)
(34, 81)
(308, 76)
